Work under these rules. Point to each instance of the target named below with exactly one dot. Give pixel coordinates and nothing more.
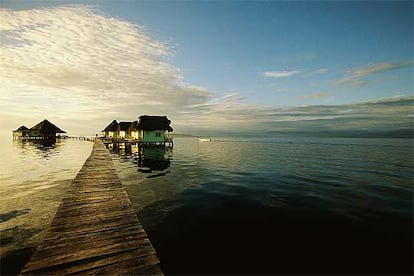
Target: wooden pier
(95, 230)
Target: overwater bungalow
(45, 130)
(111, 130)
(147, 129)
(154, 129)
(124, 130)
(21, 132)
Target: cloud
(351, 82)
(380, 67)
(280, 74)
(80, 64)
(321, 71)
(286, 74)
(379, 115)
(357, 77)
(317, 72)
(81, 69)
(315, 96)
(311, 73)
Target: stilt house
(111, 130)
(147, 129)
(45, 130)
(153, 129)
(124, 130)
(21, 132)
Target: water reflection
(45, 148)
(352, 202)
(147, 159)
(34, 176)
(45, 143)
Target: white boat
(144, 169)
(205, 139)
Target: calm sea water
(33, 180)
(281, 205)
(243, 206)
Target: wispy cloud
(311, 73)
(379, 115)
(315, 96)
(280, 74)
(289, 73)
(75, 65)
(321, 71)
(357, 77)
(351, 81)
(380, 67)
(81, 64)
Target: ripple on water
(227, 203)
(33, 179)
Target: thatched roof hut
(124, 126)
(22, 129)
(46, 127)
(146, 122)
(113, 126)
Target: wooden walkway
(96, 229)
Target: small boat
(205, 139)
(144, 169)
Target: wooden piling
(95, 230)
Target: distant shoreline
(400, 134)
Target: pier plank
(95, 230)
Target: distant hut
(153, 129)
(147, 129)
(45, 130)
(21, 132)
(111, 131)
(124, 131)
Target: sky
(210, 66)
